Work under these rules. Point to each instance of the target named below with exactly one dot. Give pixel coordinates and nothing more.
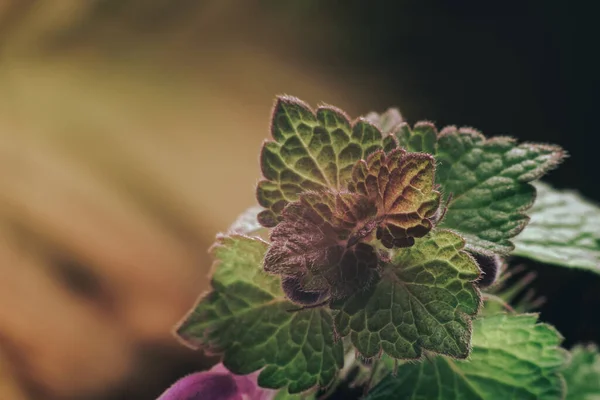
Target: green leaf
(423, 301)
(423, 137)
(583, 374)
(512, 358)
(487, 178)
(564, 230)
(285, 395)
(245, 319)
(311, 151)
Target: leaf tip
(427, 125)
(328, 108)
(286, 99)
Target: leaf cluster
(380, 239)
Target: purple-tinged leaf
(316, 244)
(401, 185)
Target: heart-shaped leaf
(245, 319)
(424, 301)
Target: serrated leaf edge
(287, 99)
(467, 317)
(220, 240)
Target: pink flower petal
(217, 384)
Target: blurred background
(130, 132)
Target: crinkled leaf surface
(424, 301)
(513, 358)
(310, 151)
(401, 185)
(488, 179)
(422, 137)
(564, 230)
(310, 244)
(245, 318)
(324, 239)
(285, 395)
(583, 374)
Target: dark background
(522, 69)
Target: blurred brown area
(129, 136)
